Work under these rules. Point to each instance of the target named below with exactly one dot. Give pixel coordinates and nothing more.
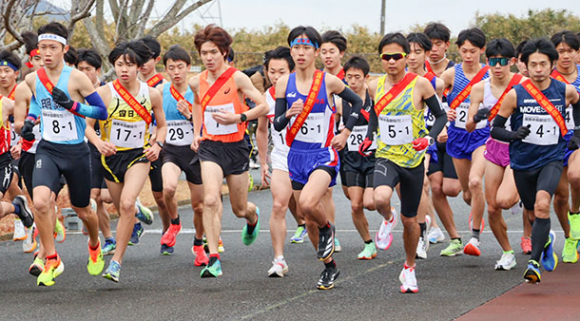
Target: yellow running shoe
(96, 263)
(52, 269)
(59, 231)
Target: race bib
(279, 139)
(179, 132)
(543, 130)
(215, 128)
(58, 125)
(569, 118)
(14, 137)
(396, 130)
(429, 118)
(357, 136)
(461, 119)
(128, 134)
(312, 131)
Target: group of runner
(428, 128)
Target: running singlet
(359, 131)
(318, 129)
(278, 137)
(459, 83)
(226, 99)
(59, 125)
(4, 132)
(545, 143)
(489, 100)
(124, 127)
(576, 84)
(179, 128)
(399, 124)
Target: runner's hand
(26, 131)
(106, 148)
(451, 115)
(522, 132)
(195, 144)
(226, 117)
(265, 174)
(60, 98)
(152, 153)
(295, 109)
(442, 137)
(183, 108)
(364, 147)
(339, 141)
(482, 114)
(422, 143)
(15, 151)
(574, 142)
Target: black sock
(574, 213)
(302, 225)
(369, 241)
(540, 234)
(325, 228)
(457, 238)
(475, 233)
(423, 227)
(175, 221)
(330, 265)
(197, 242)
(251, 227)
(213, 258)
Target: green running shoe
(212, 271)
(113, 272)
(369, 252)
(455, 248)
(574, 226)
(569, 253)
(299, 235)
(250, 238)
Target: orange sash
(546, 104)
(155, 80)
(429, 75)
(467, 90)
(131, 101)
(558, 76)
(308, 105)
(12, 93)
(178, 96)
(222, 79)
(43, 77)
(394, 92)
(495, 109)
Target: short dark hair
(231, 55)
(133, 51)
(474, 35)
(175, 53)
(54, 28)
(8, 56)
(567, 37)
(71, 56)
(335, 38)
(397, 38)
(520, 47)
(437, 30)
(500, 47)
(215, 34)
(91, 57)
(30, 41)
(153, 45)
(539, 45)
(279, 53)
(357, 62)
(310, 33)
(421, 39)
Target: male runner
(219, 107)
(62, 149)
(537, 147)
(402, 139)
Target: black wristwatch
(160, 144)
(243, 117)
(190, 117)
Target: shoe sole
(297, 242)
(388, 244)
(409, 290)
(34, 245)
(278, 275)
(471, 250)
(451, 254)
(58, 271)
(323, 287)
(111, 277)
(532, 277)
(207, 274)
(368, 258)
(504, 268)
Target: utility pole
(383, 6)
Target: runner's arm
(373, 124)
(498, 130)
(476, 99)
(434, 105)
(356, 103)
(280, 119)
(21, 102)
(245, 85)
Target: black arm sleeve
(440, 116)
(498, 130)
(373, 124)
(280, 120)
(356, 103)
(576, 114)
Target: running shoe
(52, 269)
(570, 253)
(327, 278)
(435, 235)
(96, 263)
(517, 209)
(532, 273)
(337, 246)
(549, 258)
(37, 266)
(25, 214)
(384, 237)
(526, 245)
(113, 272)
(143, 213)
(136, 235)
(29, 244)
(299, 235)
(170, 236)
(248, 239)
(59, 231)
(109, 247)
(421, 249)
(166, 250)
(471, 223)
(369, 252)
(408, 280)
(212, 271)
(472, 247)
(325, 242)
(506, 262)
(279, 268)
(427, 230)
(454, 248)
(221, 248)
(574, 226)
(201, 258)
(19, 230)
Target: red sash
(222, 79)
(558, 76)
(308, 105)
(429, 75)
(178, 96)
(495, 109)
(155, 80)
(394, 92)
(43, 77)
(272, 91)
(131, 101)
(546, 104)
(340, 74)
(467, 90)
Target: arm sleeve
(95, 109)
(576, 114)
(436, 109)
(373, 124)
(498, 130)
(280, 120)
(356, 103)
(34, 110)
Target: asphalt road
(154, 287)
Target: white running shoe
(19, 230)
(279, 268)
(472, 247)
(408, 280)
(384, 237)
(436, 235)
(427, 230)
(421, 249)
(517, 209)
(29, 244)
(506, 263)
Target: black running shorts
(390, 174)
(233, 158)
(545, 178)
(115, 166)
(186, 159)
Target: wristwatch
(243, 117)
(160, 144)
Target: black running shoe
(25, 212)
(325, 242)
(327, 278)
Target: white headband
(50, 36)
